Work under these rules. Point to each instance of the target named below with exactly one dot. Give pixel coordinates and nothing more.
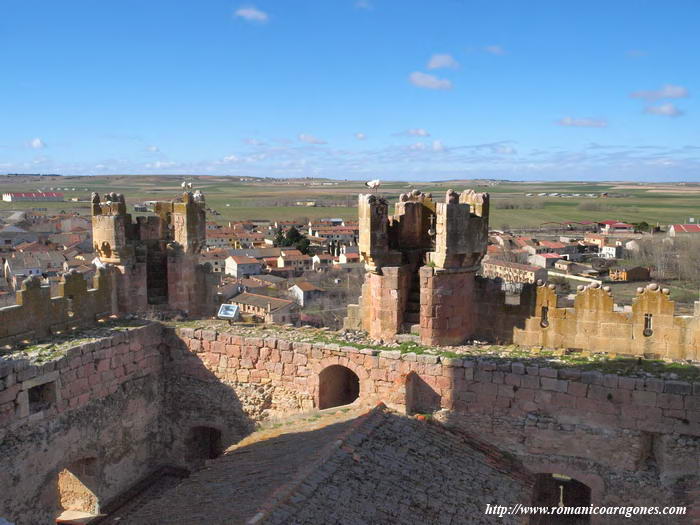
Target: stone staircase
(251, 475)
(412, 315)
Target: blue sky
(395, 89)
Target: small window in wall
(42, 397)
(648, 328)
(544, 317)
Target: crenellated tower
(420, 264)
(157, 256)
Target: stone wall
(130, 401)
(38, 315)
(102, 401)
(651, 328)
(632, 440)
(113, 404)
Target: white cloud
(666, 91)
(251, 14)
(667, 110)
(310, 139)
(582, 122)
(36, 143)
(424, 80)
(152, 149)
(414, 132)
(442, 61)
(160, 164)
(438, 145)
(363, 4)
(253, 142)
(503, 149)
(229, 159)
(360, 136)
(495, 50)
(418, 146)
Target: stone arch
(338, 385)
(77, 490)
(580, 489)
(203, 442)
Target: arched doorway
(202, 443)
(559, 490)
(76, 486)
(338, 385)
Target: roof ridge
(279, 497)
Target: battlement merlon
(114, 204)
(373, 215)
(189, 222)
(461, 230)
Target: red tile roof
(687, 228)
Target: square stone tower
(157, 256)
(421, 264)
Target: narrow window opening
(42, 397)
(648, 328)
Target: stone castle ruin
(144, 266)
(95, 425)
(156, 256)
(421, 277)
(421, 263)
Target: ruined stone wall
(38, 315)
(130, 401)
(651, 329)
(632, 440)
(115, 403)
(101, 401)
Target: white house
(611, 252)
(242, 266)
(304, 291)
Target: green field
(274, 199)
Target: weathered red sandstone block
(589, 405)
(484, 390)
(233, 350)
(530, 381)
(208, 335)
(254, 341)
(195, 345)
(9, 394)
(506, 391)
(670, 401)
(378, 374)
(287, 356)
(93, 380)
(243, 375)
(217, 347)
(185, 333)
(644, 398)
(251, 352)
(513, 379)
(301, 359)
